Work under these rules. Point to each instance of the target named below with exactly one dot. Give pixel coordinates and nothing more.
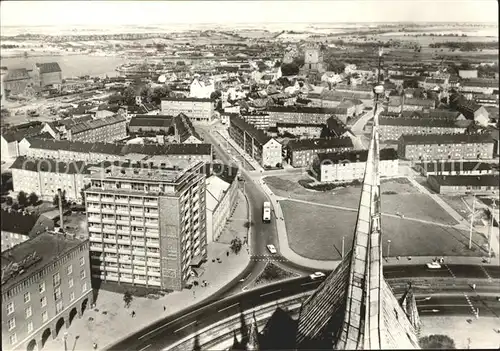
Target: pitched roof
(355, 156)
(184, 128)
(301, 109)
(97, 123)
(336, 127)
(419, 122)
(255, 133)
(453, 166)
(151, 121)
(192, 99)
(17, 222)
(18, 135)
(420, 102)
(48, 67)
(16, 74)
(466, 180)
(446, 138)
(321, 143)
(49, 165)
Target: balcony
(151, 203)
(126, 270)
(108, 210)
(124, 251)
(153, 263)
(111, 269)
(123, 232)
(122, 212)
(125, 280)
(108, 200)
(154, 283)
(136, 202)
(93, 209)
(138, 243)
(96, 219)
(121, 201)
(151, 214)
(137, 213)
(123, 242)
(151, 224)
(96, 248)
(155, 244)
(92, 198)
(95, 229)
(152, 254)
(152, 234)
(110, 249)
(108, 258)
(109, 230)
(154, 274)
(137, 223)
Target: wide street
(444, 300)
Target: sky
(99, 13)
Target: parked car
(317, 275)
(272, 249)
(433, 265)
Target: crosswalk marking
(474, 312)
(487, 274)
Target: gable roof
(255, 133)
(321, 143)
(446, 138)
(96, 123)
(49, 165)
(49, 67)
(151, 121)
(16, 74)
(184, 128)
(18, 135)
(467, 180)
(356, 156)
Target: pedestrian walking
(164, 308)
(473, 286)
(94, 345)
(227, 253)
(133, 314)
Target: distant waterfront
(71, 65)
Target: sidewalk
(247, 158)
(117, 323)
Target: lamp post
(490, 229)
(343, 242)
(472, 221)
(65, 338)
(388, 248)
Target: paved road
(446, 271)
(173, 328)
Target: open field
(398, 196)
(316, 232)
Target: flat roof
(45, 249)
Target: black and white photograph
(249, 175)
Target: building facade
(198, 110)
(262, 148)
(49, 74)
(221, 200)
(445, 147)
(350, 166)
(393, 128)
(302, 131)
(103, 130)
(45, 285)
(448, 168)
(301, 153)
(486, 184)
(45, 176)
(147, 226)
(294, 114)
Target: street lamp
(388, 248)
(343, 242)
(65, 337)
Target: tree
(127, 298)
(9, 201)
(82, 194)
(160, 93)
(289, 69)
(236, 245)
(22, 199)
(64, 201)
(129, 95)
(33, 199)
(437, 341)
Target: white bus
(266, 212)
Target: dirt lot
(316, 232)
(398, 196)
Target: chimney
(59, 196)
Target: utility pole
(490, 229)
(388, 248)
(472, 221)
(343, 240)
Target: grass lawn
(398, 195)
(272, 273)
(316, 232)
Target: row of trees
(127, 97)
(466, 46)
(24, 200)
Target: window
(59, 306)
(72, 296)
(27, 297)
(41, 287)
(28, 312)
(70, 269)
(57, 293)
(13, 339)
(10, 308)
(70, 282)
(11, 323)
(56, 279)
(30, 327)
(45, 316)
(82, 261)
(84, 287)
(82, 274)
(43, 301)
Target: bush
(437, 342)
(272, 273)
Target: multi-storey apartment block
(486, 184)
(446, 147)
(45, 284)
(147, 226)
(301, 153)
(99, 130)
(302, 131)
(198, 110)
(256, 143)
(144, 124)
(350, 166)
(64, 150)
(453, 168)
(294, 114)
(45, 176)
(259, 120)
(393, 128)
